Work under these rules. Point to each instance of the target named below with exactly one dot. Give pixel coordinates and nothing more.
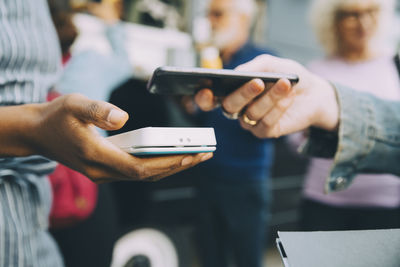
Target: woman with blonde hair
(353, 35)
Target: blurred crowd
(225, 204)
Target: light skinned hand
(64, 130)
(281, 109)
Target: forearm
(17, 124)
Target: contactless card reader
(166, 140)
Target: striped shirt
(29, 51)
(29, 65)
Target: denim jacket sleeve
(368, 140)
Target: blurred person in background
(90, 72)
(353, 34)
(234, 192)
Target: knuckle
(268, 101)
(274, 96)
(70, 100)
(266, 122)
(252, 114)
(263, 57)
(274, 132)
(250, 92)
(281, 108)
(94, 111)
(282, 105)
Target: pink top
(379, 77)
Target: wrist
(19, 126)
(327, 115)
(30, 126)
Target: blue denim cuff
(357, 126)
(351, 144)
(368, 139)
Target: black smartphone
(187, 81)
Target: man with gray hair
(231, 21)
(234, 193)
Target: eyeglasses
(352, 17)
(216, 13)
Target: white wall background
(289, 32)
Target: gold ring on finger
(248, 121)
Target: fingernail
(258, 86)
(206, 157)
(187, 161)
(116, 116)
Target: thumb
(99, 113)
(116, 118)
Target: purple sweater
(379, 77)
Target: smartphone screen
(187, 81)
